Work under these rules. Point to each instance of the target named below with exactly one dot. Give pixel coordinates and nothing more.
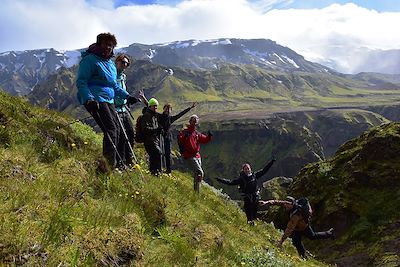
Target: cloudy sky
(313, 28)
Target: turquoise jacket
(97, 80)
(121, 102)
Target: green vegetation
(59, 209)
(355, 192)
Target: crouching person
(299, 223)
(189, 141)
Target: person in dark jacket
(127, 133)
(151, 133)
(248, 183)
(166, 119)
(97, 86)
(299, 223)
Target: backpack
(139, 136)
(303, 206)
(182, 137)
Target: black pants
(123, 145)
(167, 153)
(309, 233)
(106, 118)
(152, 146)
(251, 206)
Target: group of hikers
(101, 84)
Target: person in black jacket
(166, 120)
(248, 183)
(151, 133)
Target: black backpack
(139, 136)
(303, 206)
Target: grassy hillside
(357, 192)
(58, 209)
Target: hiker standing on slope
(248, 184)
(97, 86)
(299, 223)
(151, 130)
(125, 147)
(189, 141)
(166, 119)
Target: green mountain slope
(58, 209)
(229, 88)
(357, 192)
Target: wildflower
(73, 145)
(85, 143)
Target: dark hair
(168, 105)
(121, 56)
(105, 37)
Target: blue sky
(378, 5)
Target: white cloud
(70, 24)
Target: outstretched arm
(180, 114)
(274, 202)
(229, 182)
(260, 173)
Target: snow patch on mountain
(291, 61)
(152, 53)
(222, 42)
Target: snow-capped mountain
(21, 71)
(208, 54)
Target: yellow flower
(85, 143)
(73, 145)
(137, 192)
(120, 195)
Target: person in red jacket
(189, 141)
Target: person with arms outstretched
(166, 119)
(248, 184)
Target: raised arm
(143, 97)
(183, 112)
(260, 173)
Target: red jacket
(190, 140)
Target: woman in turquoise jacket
(127, 133)
(97, 87)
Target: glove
(209, 133)
(92, 106)
(273, 158)
(130, 100)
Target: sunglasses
(125, 62)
